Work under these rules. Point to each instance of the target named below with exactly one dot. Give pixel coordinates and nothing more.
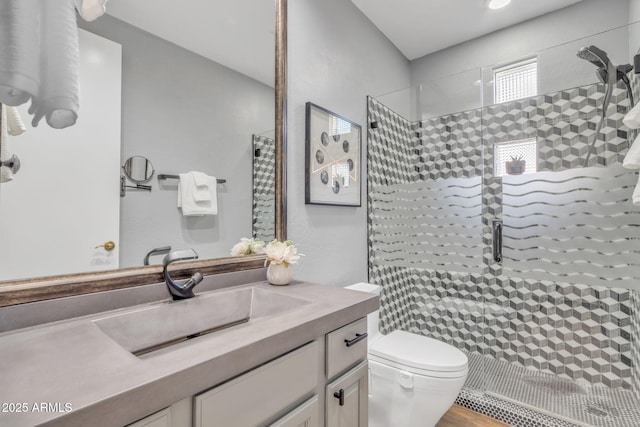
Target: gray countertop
(72, 364)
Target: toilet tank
(373, 319)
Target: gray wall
(185, 112)
(634, 27)
(336, 58)
(447, 76)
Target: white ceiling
(239, 34)
(420, 27)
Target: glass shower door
(426, 238)
(563, 340)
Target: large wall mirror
(179, 88)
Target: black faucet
(180, 290)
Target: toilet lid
(418, 352)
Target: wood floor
(458, 416)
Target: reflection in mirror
(264, 187)
(138, 169)
(189, 88)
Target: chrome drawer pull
(359, 337)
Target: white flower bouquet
(281, 253)
(247, 247)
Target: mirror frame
(52, 287)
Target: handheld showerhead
(596, 56)
(607, 73)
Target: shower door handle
(497, 241)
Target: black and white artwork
(333, 148)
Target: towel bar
(167, 176)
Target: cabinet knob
(340, 396)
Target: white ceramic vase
(278, 274)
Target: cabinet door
(305, 415)
(159, 419)
(347, 399)
(262, 393)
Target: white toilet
(414, 379)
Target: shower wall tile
(395, 297)
(451, 146)
(569, 329)
(564, 124)
(635, 340)
(573, 331)
(391, 146)
(391, 155)
(448, 306)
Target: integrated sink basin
(153, 327)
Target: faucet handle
(197, 278)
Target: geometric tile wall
(576, 225)
(635, 341)
(572, 331)
(390, 154)
(264, 188)
(429, 224)
(579, 331)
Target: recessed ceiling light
(498, 4)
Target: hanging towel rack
(168, 176)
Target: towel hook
(13, 163)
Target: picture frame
(332, 158)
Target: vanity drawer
(258, 395)
(346, 347)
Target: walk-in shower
(552, 328)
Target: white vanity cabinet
(323, 383)
(347, 396)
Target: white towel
(632, 118)
(20, 51)
(39, 59)
(632, 159)
(14, 122)
(5, 173)
(202, 191)
(90, 10)
(635, 198)
(187, 189)
(57, 99)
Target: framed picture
(333, 146)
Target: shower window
(515, 81)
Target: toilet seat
(419, 355)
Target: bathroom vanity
(247, 355)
